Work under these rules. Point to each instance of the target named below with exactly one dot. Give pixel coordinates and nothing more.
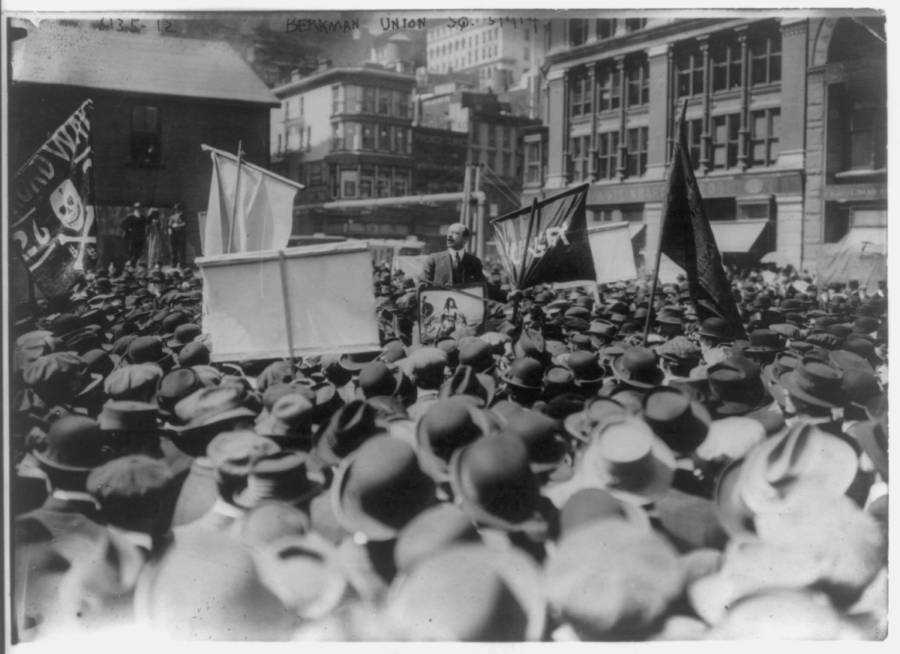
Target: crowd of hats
(551, 477)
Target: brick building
(786, 118)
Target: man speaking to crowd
(454, 265)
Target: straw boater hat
(629, 460)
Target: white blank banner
(329, 293)
(612, 252)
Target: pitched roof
(136, 63)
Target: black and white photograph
(448, 325)
(442, 312)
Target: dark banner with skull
(547, 242)
(53, 226)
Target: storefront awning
(737, 235)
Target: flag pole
(234, 204)
(662, 229)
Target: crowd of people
(549, 476)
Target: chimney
(324, 64)
(296, 75)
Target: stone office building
(786, 120)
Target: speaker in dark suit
(454, 265)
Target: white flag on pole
(264, 210)
(612, 252)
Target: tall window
(765, 128)
(506, 170)
(401, 181)
(384, 102)
(765, 56)
(366, 181)
(533, 163)
(726, 66)
(637, 151)
(492, 135)
(507, 137)
(581, 158)
(606, 28)
(336, 107)
(368, 136)
(607, 155)
(401, 142)
(726, 141)
(476, 132)
(352, 99)
(694, 138)
(383, 182)
(336, 133)
(368, 99)
(349, 141)
(145, 136)
(384, 138)
(579, 95)
(610, 94)
(578, 28)
(638, 74)
(689, 73)
(867, 139)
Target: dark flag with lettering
(687, 239)
(546, 242)
(52, 226)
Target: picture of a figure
(443, 312)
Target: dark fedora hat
(183, 334)
(681, 423)
(525, 373)
(379, 488)
(736, 387)
(99, 361)
(349, 427)
(465, 381)
(210, 408)
(282, 476)
(717, 328)
(542, 435)
(638, 368)
(493, 481)
(447, 425)
(376, 378)
(73, 444)
(815, 382)
(476, 353)
(863, 347)
(586, 367)
(125, 415)
(558, 380)
(861, 388)
(194, 354)
(764, 342)
(327, 403)
(148, 349)
(288, 422)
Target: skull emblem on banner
(68, 207)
